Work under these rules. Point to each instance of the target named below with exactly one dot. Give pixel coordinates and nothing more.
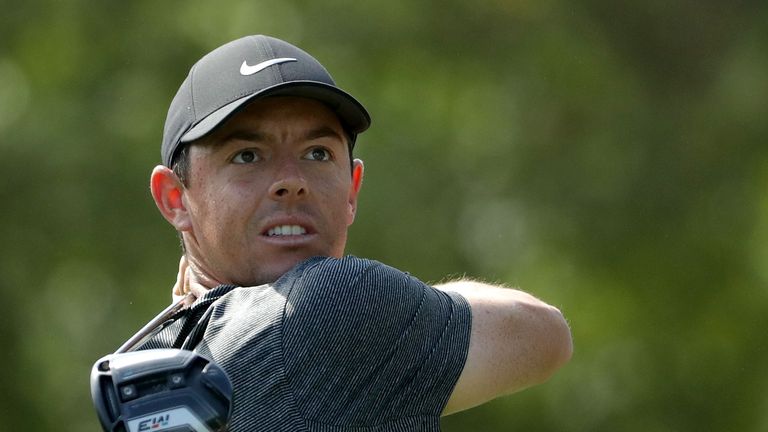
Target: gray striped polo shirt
(334, 345)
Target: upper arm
(516, 341)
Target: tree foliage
(607, 156)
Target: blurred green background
(608, 156)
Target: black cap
(233, 74)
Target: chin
(270, 273)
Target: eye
(318, 154)
(245, 156)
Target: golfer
(258, 177)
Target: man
(259, 179)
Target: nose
(289, 184)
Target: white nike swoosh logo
(250, 70)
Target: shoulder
(337, 285)
(392, 345)
(340, 271)
(352, 301)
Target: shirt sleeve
(365, 343)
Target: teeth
(283, 230)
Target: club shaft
(149, 329)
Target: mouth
(286, 230)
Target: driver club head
(161, 390)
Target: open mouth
(286, 230)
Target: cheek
(211, 212)
(344, 209)
(335, 192)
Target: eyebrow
(323, 132)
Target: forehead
(284, 115)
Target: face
(268, 189)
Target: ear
(354, 190)
(167, 191)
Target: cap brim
(352, 114)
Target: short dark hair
(180, 165)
